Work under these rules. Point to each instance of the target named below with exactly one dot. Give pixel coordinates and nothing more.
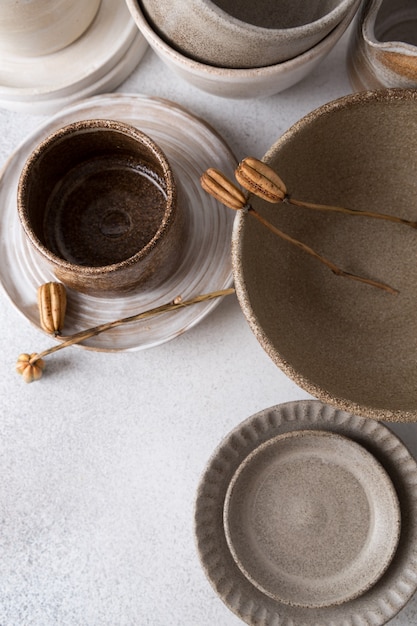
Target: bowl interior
(347, 343)
(279, 15)
(95, 193)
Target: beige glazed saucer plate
(311, 518)
(377, 604)
(191, 146)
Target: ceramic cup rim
(368, 32)
(98, 125)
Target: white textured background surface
(100, 460)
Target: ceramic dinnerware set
(306, 513)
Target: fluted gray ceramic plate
(376, 606)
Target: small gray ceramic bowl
(349, 344)
(240, 83)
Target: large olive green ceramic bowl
(350, 344)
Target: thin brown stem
(164, 308)
(334, 268)
(357, 212)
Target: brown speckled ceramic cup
(97, 200)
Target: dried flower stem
(334, 268)
(258, 178)
(164, 308)
(357, 212)
(263, 181)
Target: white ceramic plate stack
(307, 515)
(98, 61)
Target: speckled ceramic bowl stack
(307, 515)
(242, 49)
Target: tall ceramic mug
(38, 27)
(97, 200)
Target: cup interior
(94, 194)
(397, 23)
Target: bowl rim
(315, 389)
(226, 73)
(227, 21)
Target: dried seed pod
(29, 367)
(221, 188)
(260, 179)
(52, 303)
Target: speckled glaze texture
(38, 27)
(348, 344)
(98, 200)
(229, 82)
(311, 518)
(382, 49)
(376, 606)
(243, 34)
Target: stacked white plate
(96, 62)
